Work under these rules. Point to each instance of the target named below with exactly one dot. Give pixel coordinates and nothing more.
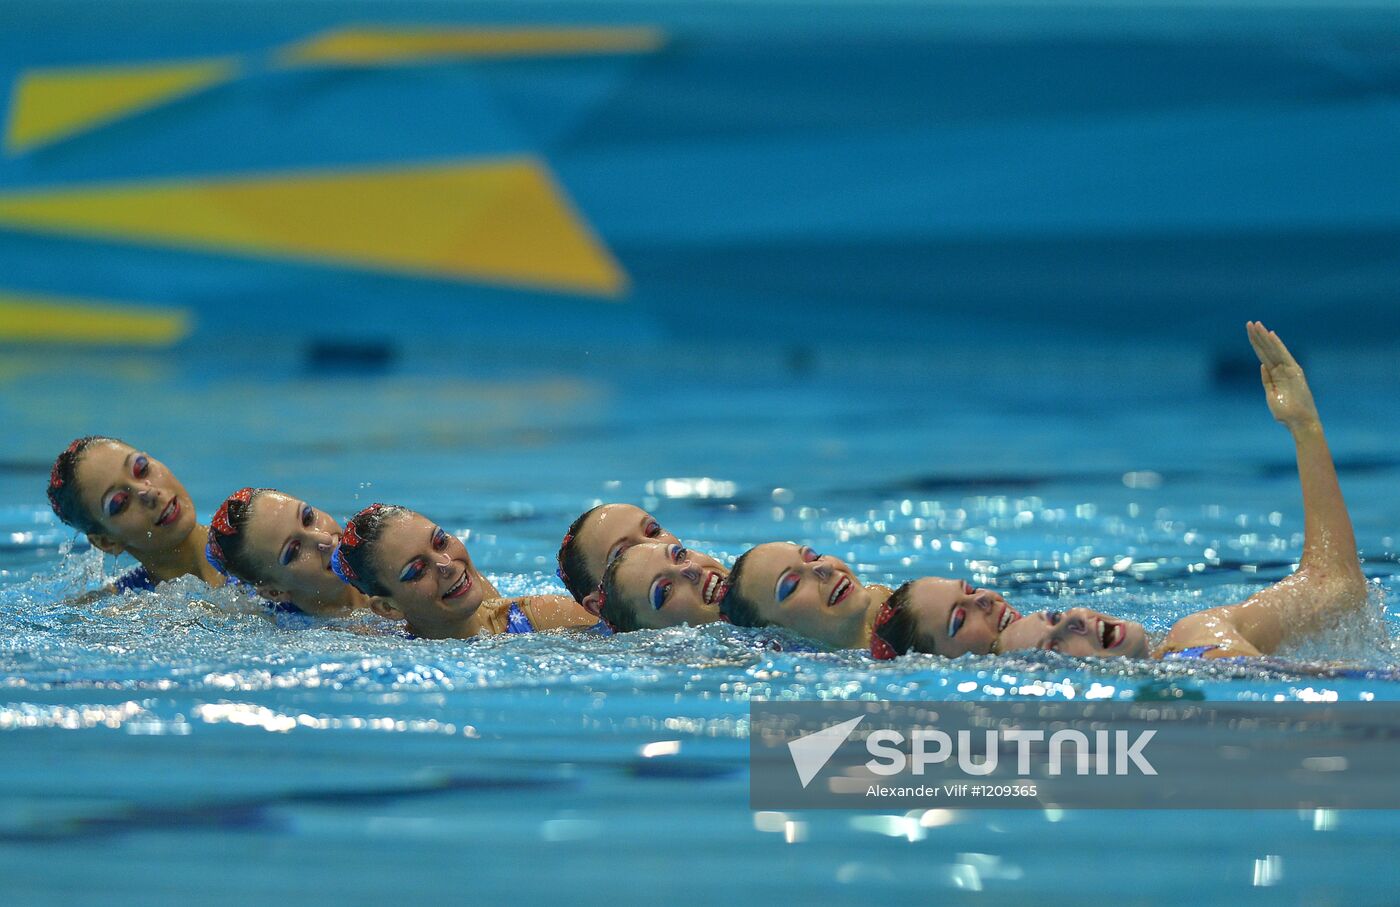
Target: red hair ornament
(878, 647)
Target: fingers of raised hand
(1252, 328)
(1284, 357)
(1259, 340)
(1268, 347)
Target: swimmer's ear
(593, 603)
(384, 608)
(106, 543)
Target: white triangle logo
(812, 752)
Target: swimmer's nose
(821, 569)
(445, 565)
(1077, 620)
(690, 571)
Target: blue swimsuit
(1199, 652)
(1191, 652)
(288, 616)
(516, 621)
(138, 580)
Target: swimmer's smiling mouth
(461, 587)
(1112, 633)
(1008, 616)
(838, 594)
(170, 514)
(710, 593)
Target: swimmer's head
(656, 585)
(411, 569)
(938, 616)
(280, 545)
(122, 498)
(597, 537)
(1077, 631)
(795, 587)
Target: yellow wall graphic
(501, 221)
(380, 46)
(48, 105)
(52, 104)
(31, 317)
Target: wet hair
(737, 608)
(618, 616)
(898, 631)
(64, 495)
(227, 549)
(573, 569)
(352, 558)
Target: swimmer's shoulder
(539, 612)
(1206, 635)
(556, 612)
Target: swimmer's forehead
(638, 568)
(272, 517)
(405, 533)
(616, 520)
(766, 561)
(608, 526)
(933, 589)
(642, 561)
(102, 464)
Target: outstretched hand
(1285, 388)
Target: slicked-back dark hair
(736, 607)
(64, 494)
(356, 549)
(573, 568)
(620, 618)
(227, 549)
(900, 632)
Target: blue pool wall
(923, 175)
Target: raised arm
(1328, 584)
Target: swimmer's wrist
(1310, 427)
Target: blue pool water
(159, 746)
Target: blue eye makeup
(439, 539)
(140, 466)
(308, 515)
(808, 555)
(660, 591)
(677, 553)
(786, 584)
(412, 572)
(116, 503)
(290, 552)
(956, 619)
(652, 529)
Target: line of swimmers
(624, 572)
